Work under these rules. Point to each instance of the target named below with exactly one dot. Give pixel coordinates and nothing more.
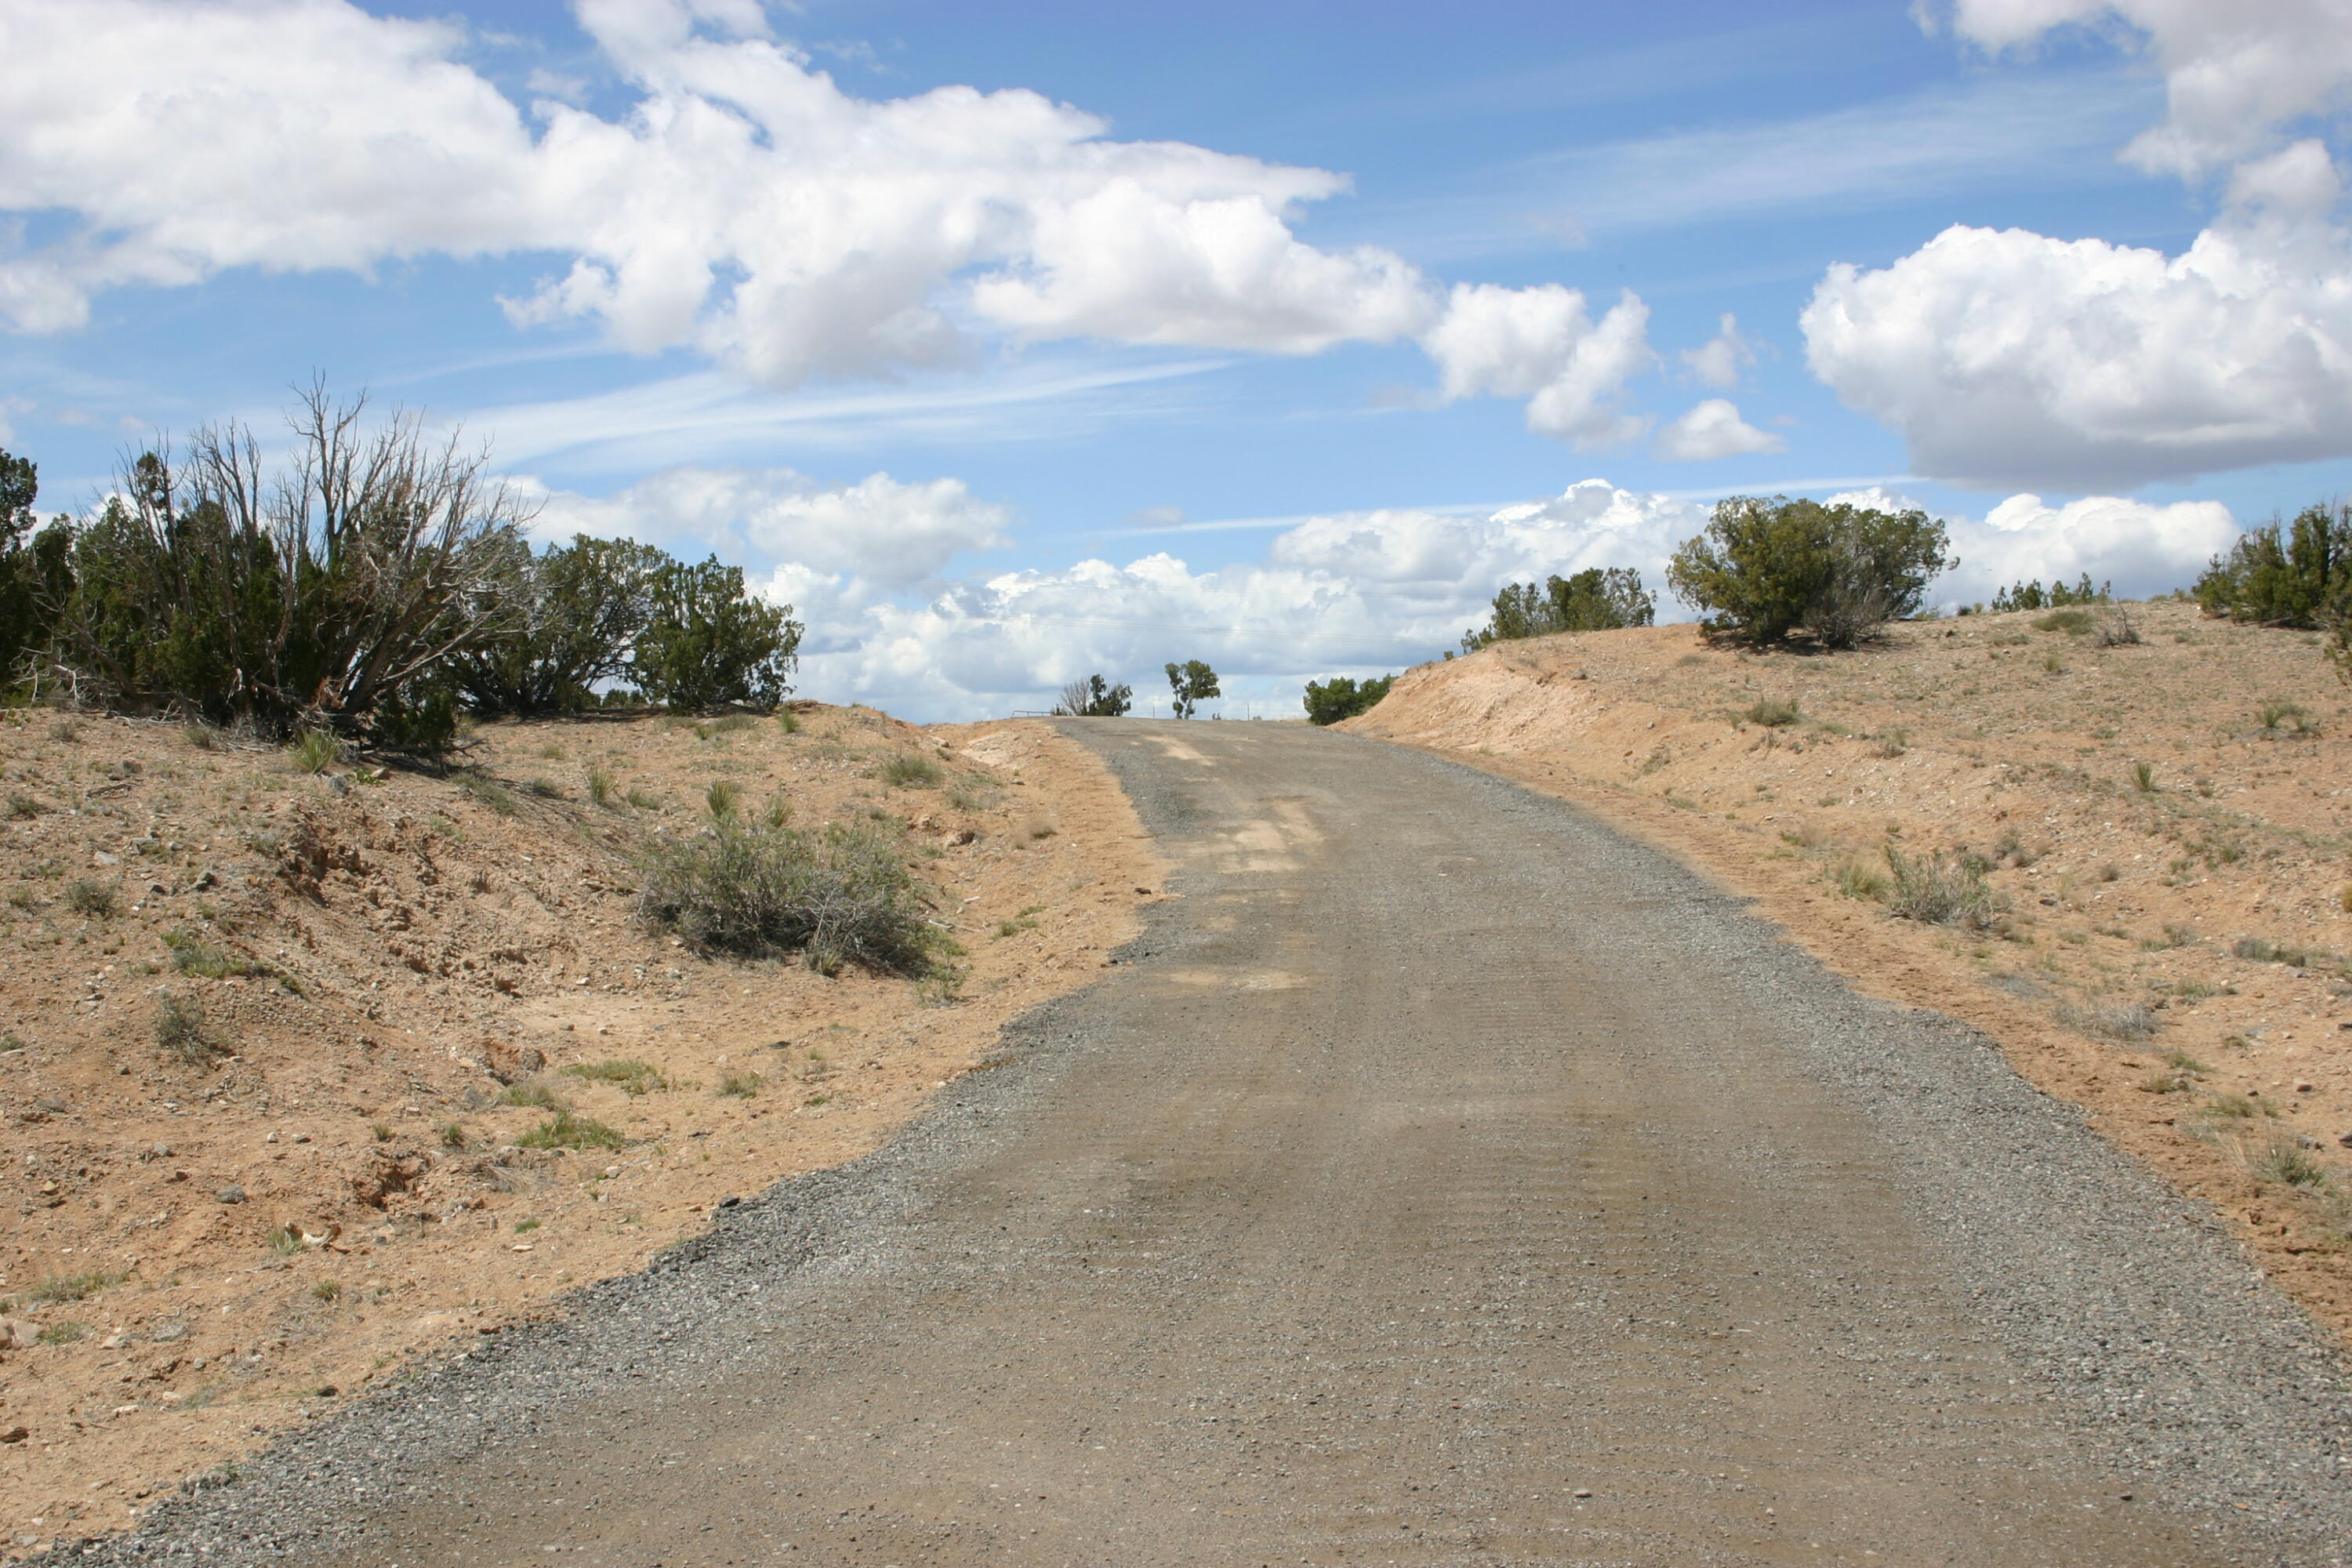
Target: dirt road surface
(1442, 1179)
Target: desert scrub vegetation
(2293, 574)
(1343, 697)
(565, 1130)
(2124, 1023)
(1594, 600)
(906, 770)
(1768, 571)
(489, 791)
(315, 750)
(630, 1076)
(1941, 890)
(530, 1092)
(1772, 713)
(364, 589)
(96, 900)
(837, 895)
(62, 1287)
(191, 954)
(1092, 697)
(181, 1033)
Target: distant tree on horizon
(1093, 698)
(1191, 681)
(1594, 600)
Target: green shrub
(840, 895)
(2124, 1023)
(1594, 600)
(579, 609)
(182, 1032)
(96, 900)
(2072, 622)
(723, 798)
(1767, 570)
(707, 643)
(191, 954)
(530, 1092)
(1340, 697)
(2296, 575)
(632, 1078)
(1772, 713)
(1856, 879)
(315, 750)
(566, 1130)
(2295, 715)
(2117, 629)
(2290, 1165)
(909, 772)
(1940, 891)
(738, 1085)
(603, 788)
(1093, 698)
(80, 1286)
(2030, 594)
(489, 792)
(311, 598)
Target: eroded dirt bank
(2167, 948)
(395, 986)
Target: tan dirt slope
(2165, 826)
(401, 979)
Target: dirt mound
(305, 1074)
(2124, 838)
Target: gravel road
(1443, 1179)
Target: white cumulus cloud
(1718, 362)
(883, 575)
(744, 205)
(1355, 593)
(2233, 69)
(1542, 344)
(1713, 428)
(830, 552)
(2141, 547)
(741, 206)
(2006, 357)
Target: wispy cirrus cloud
(707, 417)
(2053, 130)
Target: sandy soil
(2123, 969)
(204, 1245)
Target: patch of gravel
(2144, 1330)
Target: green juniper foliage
(579, 609)
(362, 589)
(1768, 571)
(2030, 594)
(2295, 576)
(1342, 697)
(709, 643)
(1093, 698)
(1594, 600)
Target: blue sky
(1277, 361)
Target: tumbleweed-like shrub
(758, 889)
